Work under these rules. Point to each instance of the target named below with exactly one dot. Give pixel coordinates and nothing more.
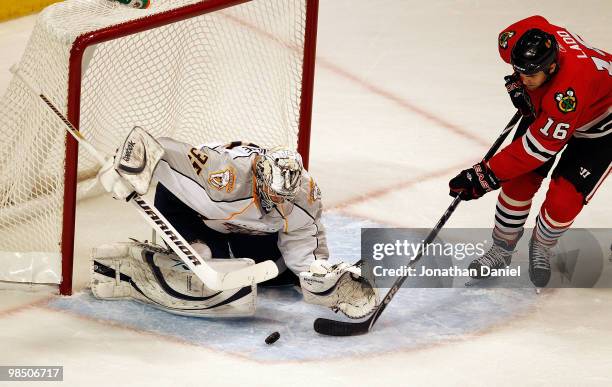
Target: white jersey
(217, 181)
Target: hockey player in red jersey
(563, 88)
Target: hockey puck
(274, 336)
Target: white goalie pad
(339, 287)
(154, 276)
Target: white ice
(406, 94)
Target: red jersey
(575, 102)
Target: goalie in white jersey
(235, 201)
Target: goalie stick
(346, 328)
(214, 280)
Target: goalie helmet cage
(199, 71)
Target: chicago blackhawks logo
(504, 37)
(566, 102)
(225, 179)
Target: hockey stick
(346, 328)
(214, 280)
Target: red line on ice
(405, 104)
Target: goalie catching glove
(131, 170)
(340, 287)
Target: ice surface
(416, 318)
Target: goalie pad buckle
(340, 287)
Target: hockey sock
(512, 209)
(563, 203)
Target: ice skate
(497, 257)
(539, 263)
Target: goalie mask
(278, 175)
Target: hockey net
(197, 71)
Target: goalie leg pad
(154, 276)
(340, 287)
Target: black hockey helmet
(535, 51)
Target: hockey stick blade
(329, 327)
(257, 273)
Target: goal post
(199, 71)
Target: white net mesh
(233, 74)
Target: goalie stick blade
(249, 275)
(341, 328)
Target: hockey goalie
(236, 204)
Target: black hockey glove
(474, 182)
(518, 95)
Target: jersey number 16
(560, 131)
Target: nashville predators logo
(225, 179)
(504, 37)
(566, 102)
